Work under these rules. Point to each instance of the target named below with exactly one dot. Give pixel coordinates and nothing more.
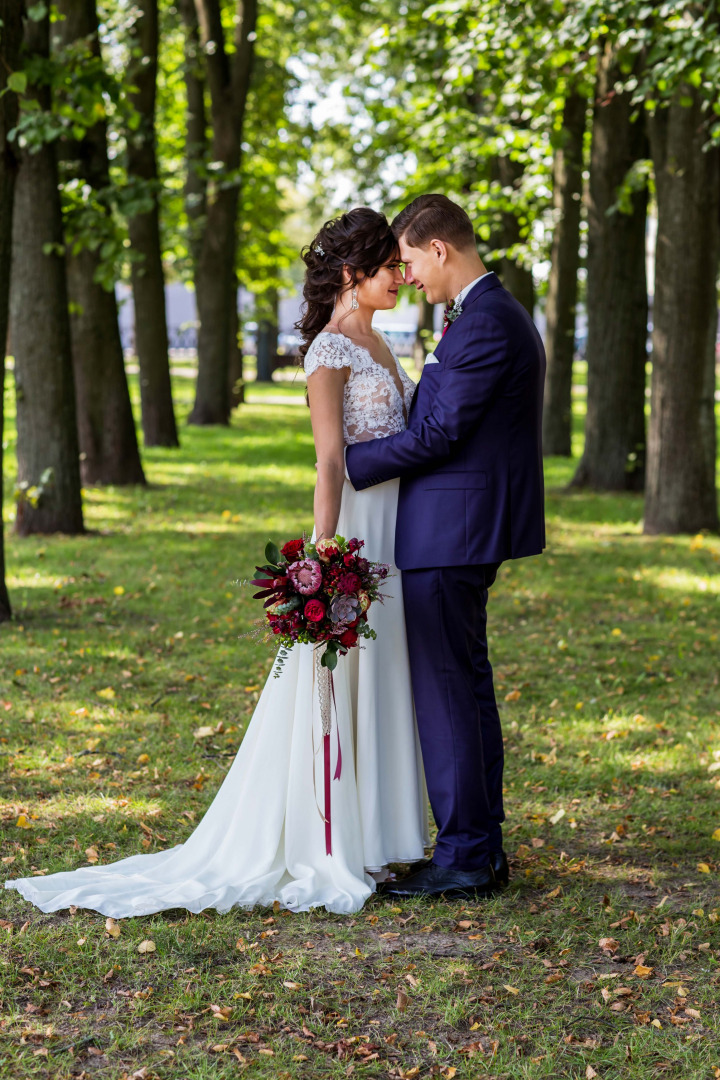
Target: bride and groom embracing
(443, 481)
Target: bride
(263, 837)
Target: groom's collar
(477, 288)
(458, 301)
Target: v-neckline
(399, 390)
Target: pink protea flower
(306, 576)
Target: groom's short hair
(434, 217)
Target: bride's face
(381, 290)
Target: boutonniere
(452, 311)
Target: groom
(471, 495)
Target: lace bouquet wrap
(320, 594)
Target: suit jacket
(470, 461)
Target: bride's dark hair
(360, 240)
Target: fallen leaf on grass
(146, 946)
(511, 989)
(402, 1000)
(449, 1072)
(609, 944)
(703, 868)
(642, 971)
(514, 695)
(223, 1012)
(590, 1072)
(293, 985)
(112, 928)
(203, 732)
(692, 1012)
(557, 816)
(107, 692)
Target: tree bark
(515, 277)
(614, 454)
(47, 445)
(236, 386)
(681, 494)
(425, 328)
(148, 279)
(11, 19)
(228, 79)
(108, 444)
(562, 288)
(267, 338)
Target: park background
(151, 152)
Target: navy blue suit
(471, 495)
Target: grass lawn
(600, 960)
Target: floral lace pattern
(373, 407)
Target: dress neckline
(362, 348)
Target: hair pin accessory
(319, 250)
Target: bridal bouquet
(320, 593)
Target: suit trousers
(457, 716)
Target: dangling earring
(354, 301)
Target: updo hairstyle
(360, 240)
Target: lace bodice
(373, 407)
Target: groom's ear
(439, 250)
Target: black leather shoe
(436, 880)
(499, 863)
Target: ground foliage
(124, 691)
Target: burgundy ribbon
(327, 816)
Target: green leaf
(36, 12)
(329, 659)
(272, 553)
(17, 82)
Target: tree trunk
(236, 387)
(108, 444)
(12, 32)
(562, 287)
(614, 454)
(681, 495)
(148, 279)
(515, 277)
(267, 338)
(425, 328)
(47, 446)
(215, 281)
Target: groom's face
(426, 269)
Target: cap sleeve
(327, 350)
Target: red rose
(349, 638)
(348, 583)
(349, 560)
(293, 549)
(314, 611)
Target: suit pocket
(463, 480)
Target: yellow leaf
(106, 692)
(292, 985)
(557, 816)
(23, 822)
(147, 946)
(475, 1026)
(300, 1057)
(511, 989)
(203, 732)
(112, 928)
(703, 868)
(92, 854)
(716, 835)
(514, 695)
(642, 971)
(449, 1072)
(219, 1048)
(616, 632)
(590, 1072)
(142, 759)
(655, 1024)
(119, 590)
(523, 851)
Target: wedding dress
(263, 837)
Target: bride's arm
(326, 388)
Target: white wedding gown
(263, 837)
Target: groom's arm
(469, 381)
